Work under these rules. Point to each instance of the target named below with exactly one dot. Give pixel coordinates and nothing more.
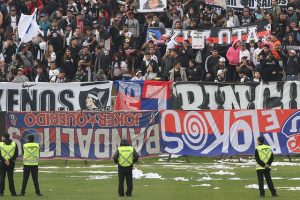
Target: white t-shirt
(255, 54)
(53, 75)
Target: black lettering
(63, 98)
(26, 99)
(47, 101)
(11, 101)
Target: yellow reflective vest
(125, 156)
(264, 153)
(7, 151)
(31, 153)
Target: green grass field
(200, 179)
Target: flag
(221, 3)
(143, 95)
(28, 27)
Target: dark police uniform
(31, 154)
(125, 156)
(264, 158)
(8, 154)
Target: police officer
(125, 156)
(31, 154)
(264, 158)
(8, 154)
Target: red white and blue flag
(143, 95)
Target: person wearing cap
(8, 155)
(244, 52)
(44, 24)
(220, 77)
(211, 63)
(31, 155)
(222, 66)
(246, 66)
(291, 65)
(193, 24)
(264, 158)
(125, 157)
(20, 78)
(275, 43)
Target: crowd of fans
(98, 40)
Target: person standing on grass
(8, 155)
(31, 154)
(125, 156)
(264, 158)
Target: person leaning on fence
(125, 156)
(31, 154)
(264, 158)
(8, 155)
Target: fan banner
(85, 135)
(231, 132)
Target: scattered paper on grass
(254, 186)
(235, 179)
(100, 172)
(285, 164)
(202, 185)
(48, 167)
(289, 188)
(216, 188)
(205, 178)
(221, 172)
(103, 177)
(181, 179)
(294, 179)
(278, 178)
(138, 174)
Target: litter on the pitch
(100, 172)
(202, 185)
(216, 188)
(235, 179)
(289, 188)
(221, 172)
(181, 179)
(103, 177)
(254, 186)
(294, 179)
(138, 174)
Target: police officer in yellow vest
(8, 155)
(31, 154)
(125, 156)
(264, 158)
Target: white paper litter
(205, 178)
(138, 174)
(202, 185)
(216, 188)
(254, 186)
(234, 179)
(294, 179)
(49, 167)
(221, 172)
(99, 172)
(289, 188)
(278, 178)
(181, 179)
(103, 177)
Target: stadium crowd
(97, 40)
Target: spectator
(269, 65)
(61, 77)
(231, 17)
(148, 60)
(80, 75)
(244, 52)
(53, 72)
(40, 76)
(150, 75)
(138, 76)
(276, 10)
(220, 78)
(116, 66)
(210, 65)
(245, 66)
(233, 55)
(222, 66)
(50, 56)
(25, 57)
(192, 72)
(20, 78)
(292, 66)
(85, 61)
(178, 73)
(256, 52)
(243, 76)
(246, 17)
(257, 76)
(100, 76)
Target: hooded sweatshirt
(233, 54)
(8, 142)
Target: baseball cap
(222, 59)
(292, 51)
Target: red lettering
(81, 119)
(29, 119)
